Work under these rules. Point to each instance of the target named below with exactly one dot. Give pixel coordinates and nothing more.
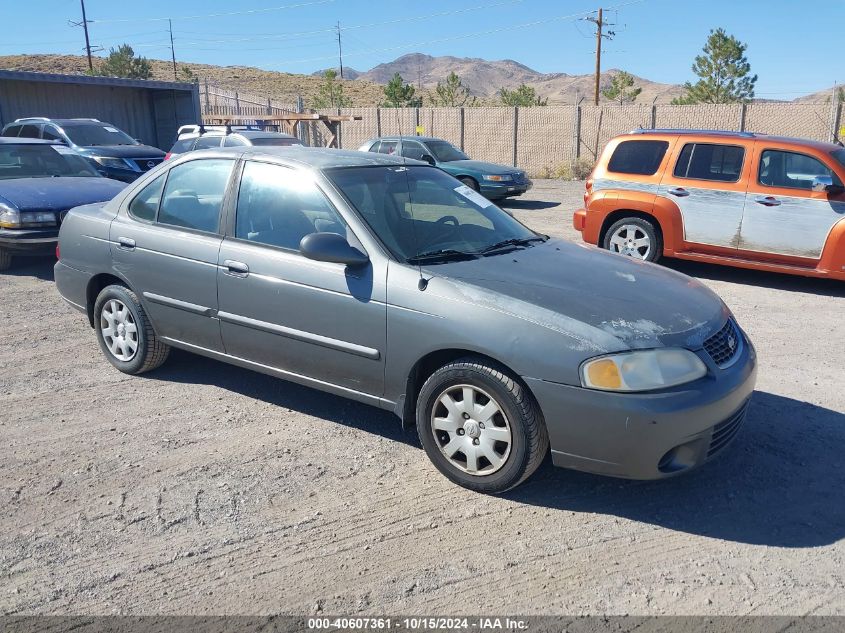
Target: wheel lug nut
(460, 431)
(481, 425)
(475, 441)
(465, 416)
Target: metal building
(150, 111)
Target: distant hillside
(483, 77)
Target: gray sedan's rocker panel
(362, 333)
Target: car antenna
(422, 284)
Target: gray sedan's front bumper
(647, 435)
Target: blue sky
(793, 46)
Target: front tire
(480, 427)
(470, 182)
(635, 237)
(124, 332)
(5, 259)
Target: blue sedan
(39, 182)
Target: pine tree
(724, 72)
(523, 96)
(123, 63)
(621, 88)
(452, 93)
(330, 92)
(398, 94)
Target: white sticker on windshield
(111, 129)
(473, 196)
(63, 150)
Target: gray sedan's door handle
(236, 269)
(767, 201)
(126, 243)
(678, 191)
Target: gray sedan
(388, 281)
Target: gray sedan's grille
(725, 345)
(725, 431)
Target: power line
(215, 15)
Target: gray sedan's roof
(322, 158)
(261, 134)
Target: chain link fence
(541, 140)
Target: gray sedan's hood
(605, 301)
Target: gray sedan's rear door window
(194, 194)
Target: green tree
(188, 75)
(123, 63)
(330, 92)
(724, 73)
(398, 94)
(621, 88)
(522, 96)
(452, 93)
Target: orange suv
(733, 198)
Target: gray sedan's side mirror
(331, 247)
(824, 184)
(429, 159)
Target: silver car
(388, 281)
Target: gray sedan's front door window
(277, 308)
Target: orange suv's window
(706, 161)
(792, 170)
(641, 158)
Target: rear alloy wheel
(480, 427)
(124, 333)
(5, 259)
(634, 237)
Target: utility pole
(600, 24)
(172, 50)
(84, 25)
(339, 50)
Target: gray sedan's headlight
(643, 370)
(498, 178)
(114, 163)
(10, 217)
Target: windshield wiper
(511, 243)
(443, 254)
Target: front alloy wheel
(634, 237)
(120, 333)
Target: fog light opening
(679, 458)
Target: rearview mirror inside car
(331, 247)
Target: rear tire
(5, 259)
(635, 237)
(124, 332)
(480, 427)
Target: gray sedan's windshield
(445, 152)
(421, 212)
(42, 161)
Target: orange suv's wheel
(634, 237)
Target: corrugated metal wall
(149, 114)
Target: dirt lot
(203, 488)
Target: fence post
(654, 114)
(269, 106)
(339, 132)
(515, 132)
(576, 131)
(237, 104)
(378, 121)
(834, 115)
(742, 114)
(417, 118)
(207, 103)
(462, 128)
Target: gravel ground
(204, 488)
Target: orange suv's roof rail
(688, 131)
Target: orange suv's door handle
(679, 191)
(767, 201)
